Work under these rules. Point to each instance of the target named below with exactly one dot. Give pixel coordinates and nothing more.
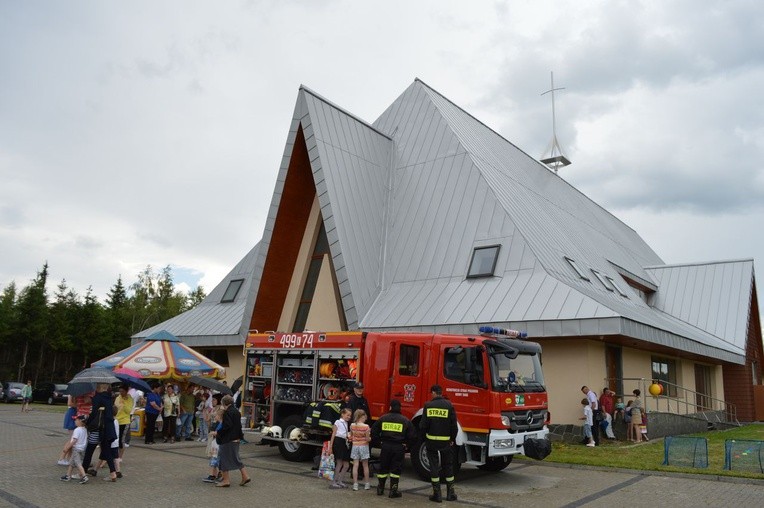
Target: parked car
(49, 393)
(12, 392)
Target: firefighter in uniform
(395, 432)
(439, 428)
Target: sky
(150, 133)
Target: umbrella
(77, 389)
(128, 372)
(133, 382)
(237, 384)
(94, 375)
(211, 384)
(163, 356)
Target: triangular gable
(342, 160)
(350, 161)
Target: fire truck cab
(494, 381)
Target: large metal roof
(406, 200)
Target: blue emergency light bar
(492, 330)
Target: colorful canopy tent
(163, 356)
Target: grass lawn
(649, 456)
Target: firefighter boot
(450, 494)
(394, 488)
(381, 486)
(436, 497)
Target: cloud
(153, 135)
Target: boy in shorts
(588, 419)
(77, 444)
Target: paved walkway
(170, 475)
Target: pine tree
(118, 315)
(32, 318)
(8, 322)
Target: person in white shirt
(77, 444)
(588, 422)
(595, 407)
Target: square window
(664, 371)
(483, 261)
(232, 290)
(409, 360)
(616, 286)
(576, 268)
(602, 280)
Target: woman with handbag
(228, 438)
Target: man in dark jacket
(395, 431)
(439, 428)
(358, 401)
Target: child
(619, 408)
(70, 425)
(76, 446)
(588, 421)
(212, 447)
(339, 445)
(203, 417)
(360, 436)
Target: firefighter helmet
(296, 435)
(275, 431)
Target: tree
(32, 317)
(117, 295)
(118, 315)
(8, 323)
(195, 297)
(144, 291)
(61, 328)
(92, 332)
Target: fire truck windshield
(520, 374)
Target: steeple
(553, 156)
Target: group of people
(95, 421)
(599, 414)
(185, 412)
(396, 435)
(102, 420)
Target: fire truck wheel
(496, 463)
(292, 450)
(422, 464)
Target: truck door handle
(398, 395)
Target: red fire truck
(493, 379)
